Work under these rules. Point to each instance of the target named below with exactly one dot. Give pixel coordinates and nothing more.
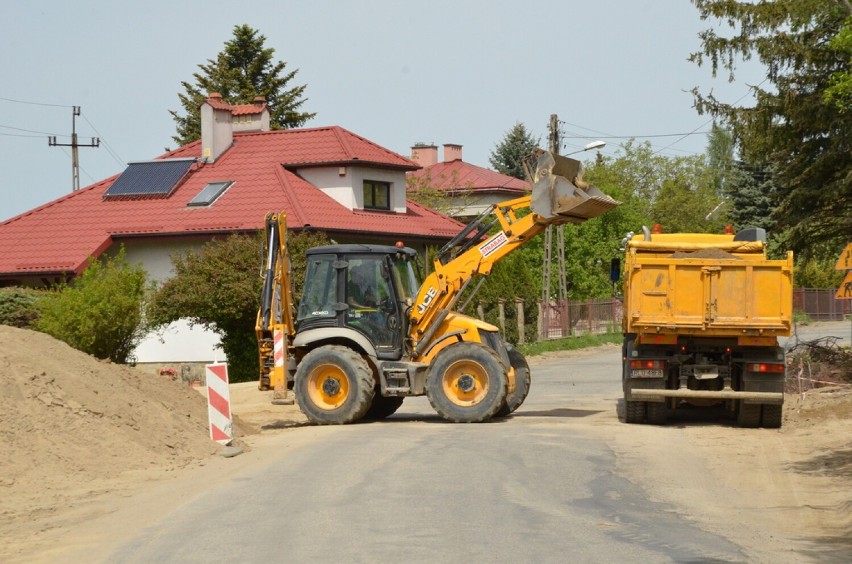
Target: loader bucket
(558, 189)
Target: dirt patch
(710, 253)
(73, 427)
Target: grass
(801, 318)
(569, 343)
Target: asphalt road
(530, 488)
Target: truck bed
(744, 295)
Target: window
(209, 193)
(376, 195)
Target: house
(324, 178)
(469, 189)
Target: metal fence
(565, 318)
(820, 304)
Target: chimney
(216, 130)
(424, 155)
(452, 152)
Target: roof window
(210, 193)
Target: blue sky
(395, 72)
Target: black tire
(771, 418)
(658, 412)
(748, 415)
(467, 383)
(634, 411)
(383, 407)
(333, 385)
(522, 384)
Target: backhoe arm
(275, 325)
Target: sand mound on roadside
(70, 423)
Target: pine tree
(794, 126)
(507, 156)
(242, 71)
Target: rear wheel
(771, 418)
(522, 384)
(748, 415)
(658, 412)
(467, 383)
(333, 385)
(634, 411)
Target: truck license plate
(647, 373)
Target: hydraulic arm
(559, 195)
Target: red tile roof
(61, 235)
(459, 175)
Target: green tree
(507, 157)
(839, 92)
(218, 287)
(101, 312)
(244, 70)
(796, 126)
(19, 306)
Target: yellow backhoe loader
(366, 333)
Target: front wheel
(333, 385)
(467, 383)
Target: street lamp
(593, 145)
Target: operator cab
(367, 288)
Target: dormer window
(209, 193)
(376, 195)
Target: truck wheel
(658, 413)
(383, 407)
(634, 411)
(333, 385)
(771, 416)
(467, 383)
(522, 384)
(748, 415)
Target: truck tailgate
(724, 297)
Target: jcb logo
(430, 295)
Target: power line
(636, 136)
(31, 131)
(35, 103)
(109, 149)
(21, 135)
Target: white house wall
(347, 189)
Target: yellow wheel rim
(328, 386)
(465, 383)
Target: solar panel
(209, 193)
(150, 178)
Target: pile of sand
(71, 425)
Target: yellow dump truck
(702, 317)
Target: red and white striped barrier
(219, 403)
(278, 348)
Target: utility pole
(554, 142)
(75, 158)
